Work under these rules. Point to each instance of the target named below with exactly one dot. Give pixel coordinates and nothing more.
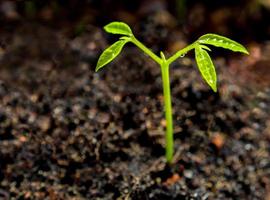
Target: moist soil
(67, 132)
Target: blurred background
(160, 24)
(69, 133)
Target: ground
(70, 133)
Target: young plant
(202, 57)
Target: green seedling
(202, 57)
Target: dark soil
(69, 133)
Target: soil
(67, 132)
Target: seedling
(202, 57)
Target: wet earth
(67, 132)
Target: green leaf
(118, 28)
(110, 53)
(205, 47)
(206, 67)
(221, 41)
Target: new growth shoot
(202, 57)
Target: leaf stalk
(146, 50)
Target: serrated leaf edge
(123, 23)
(98, 67)
(197, 49)
(223, 38)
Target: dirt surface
(69, 133)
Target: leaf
(205, 47)
(118, 28)
(221, 41)
(110, 53)
(206, 67)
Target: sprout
(204, 62)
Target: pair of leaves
(204, 62)
(112, 51)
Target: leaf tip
(213, 85)
(214, 89)
(245, 51)
(107, 28)
(97, 68)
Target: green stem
(164, 64)
(146, 50)
(181, 52)
(168, 110)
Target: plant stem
(168, 110)
(146, 50)
(164, 64)
(180, 53)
